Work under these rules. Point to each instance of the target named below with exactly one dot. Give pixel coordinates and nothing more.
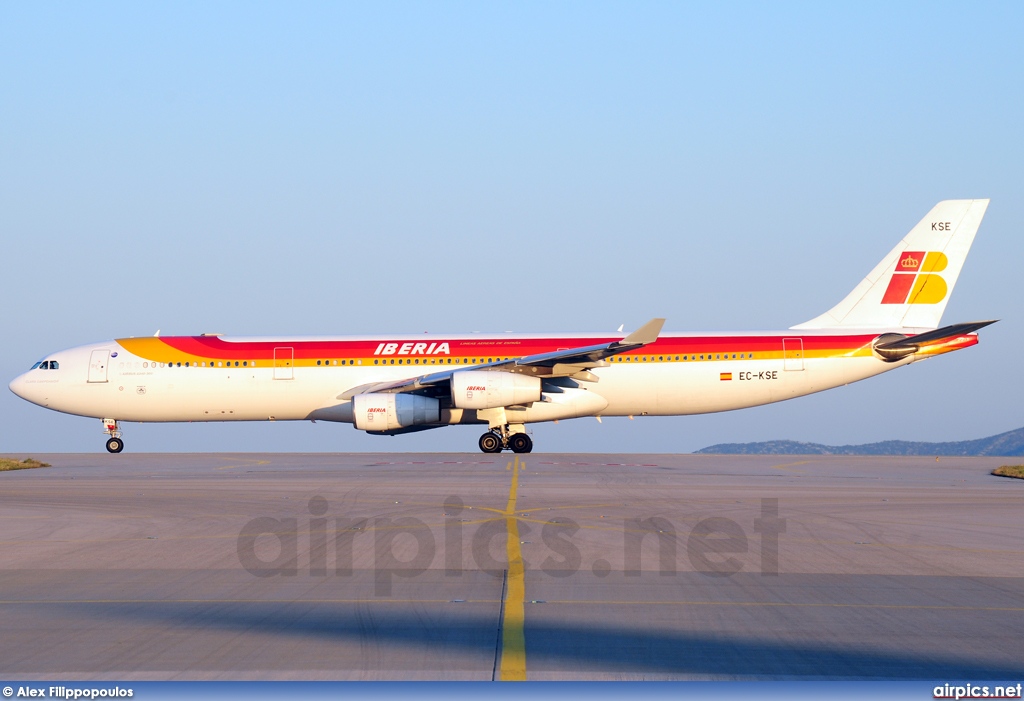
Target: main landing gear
(114, 443)
(495, 441)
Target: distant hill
(1009, 443)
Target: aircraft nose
(17, 385)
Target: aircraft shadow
(571, 649)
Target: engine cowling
(487, 389)
(377, 411)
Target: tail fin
(911, 286)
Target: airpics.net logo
(976, 691)
(406, 547)
(915, 279)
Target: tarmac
(541, 567)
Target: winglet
(648, 333)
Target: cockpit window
(54, 365)
(35, 366)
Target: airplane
(389, 385)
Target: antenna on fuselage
(157, 334)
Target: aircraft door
(98, 362)
(793, 354)
(284, 360)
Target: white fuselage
(134, 387)
(411, 383)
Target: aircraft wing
(571, 362)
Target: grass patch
(1010, 471)
(7, 464)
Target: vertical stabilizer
(911, 286)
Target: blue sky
(310, 169)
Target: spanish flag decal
(725, 376)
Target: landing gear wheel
(490, 443)
(520, 443)
(115, 445)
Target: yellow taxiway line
(513, 642)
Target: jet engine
(378, 411)
(487, 389)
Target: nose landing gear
(114, 443)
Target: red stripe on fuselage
(216, 347)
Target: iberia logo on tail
(914, 280)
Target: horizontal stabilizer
(943, 334)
